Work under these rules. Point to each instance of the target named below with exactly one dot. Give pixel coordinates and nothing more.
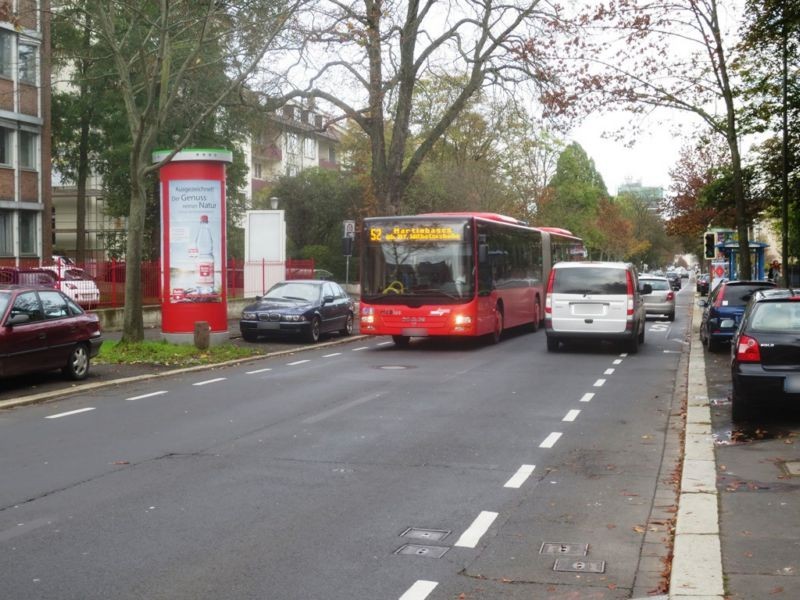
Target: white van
(594, 300)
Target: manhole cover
(422, 551)
(579, 566)
(431, 535)
(564, 549)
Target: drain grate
(579, 566)
(558, 549)
(422, 551)
(431, 535)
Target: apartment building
(292, 140)
(25, 202)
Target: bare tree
(368, 56)
(675, 54)
(155, 46)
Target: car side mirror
(17, 319)
(702, 303)
(647, 288)
(327, 299)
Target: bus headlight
(367, 315)
(462, 320)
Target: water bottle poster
(195, 232)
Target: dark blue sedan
(724, 309)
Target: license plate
(415, 331)
(587, 309)
(269, 325)
(791, 384)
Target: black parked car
(703, 283)
(724, 309)
(674, 280)
(303, 307)
(765, 353)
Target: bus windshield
(423, 259)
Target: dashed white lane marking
(473, 534)
(587, 397)
(332, 355)
(66, 414)
(210, 381)
(550, 440)
(571, 415)
(385, 344)
(623, 355)
(420, 590)
(520, 477)
(617, 361)
(297, 362)
(360, 349)
(599, 383)
(150, 395)
(608, 372)
(258, 371)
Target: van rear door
(590, 299)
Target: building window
(28, 229)
(257, 170)
(28, 55)
(292, 143)
(6, 60)
(27, 150)
(310, 147)
(5, 146)
(332, 154)
(6, 233)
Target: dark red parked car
(42, 329)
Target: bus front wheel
(401, 341)
(495, 336)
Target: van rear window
(590, 280)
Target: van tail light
(548, 298)
(670, 296)
(629, 279)
(748, 350)
(718, 300)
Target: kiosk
(194, 290)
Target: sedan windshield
(307, 292)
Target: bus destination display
(415, 233)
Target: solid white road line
(571, 415)
(550, 440)
(587, 397)
(258, 371)
(473, 534)
(599, 383)
(332, 355)
(297, 362)
(66, 414)
(150, 395)
(608, 372)
(520, 477)
(210, 381)
(420, 590)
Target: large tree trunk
(132, 319)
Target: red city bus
(456, 274)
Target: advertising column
(193, 246)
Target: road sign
(349, 229)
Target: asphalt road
(297, 477)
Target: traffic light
(709, 243)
